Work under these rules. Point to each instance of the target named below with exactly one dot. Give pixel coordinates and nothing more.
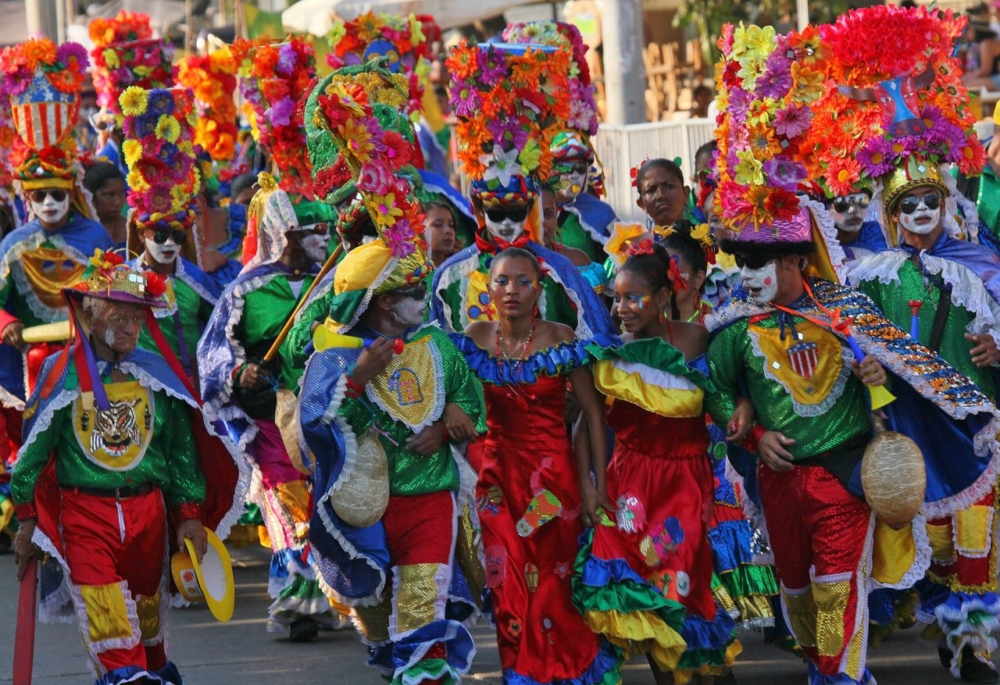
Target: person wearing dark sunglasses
(946, 293)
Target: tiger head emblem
(115, 428)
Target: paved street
(211, 653)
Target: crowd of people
(769, 407)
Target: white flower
(501, 165)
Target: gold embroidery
(48, 270)
(801, 616)
(148, 609)
(467, 553)
(831, 604)
(115, 438)
(808, 391)
(373, 621)
(407, 388)
(416, 601)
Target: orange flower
(38, 51)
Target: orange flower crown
(126, 54)
(511, 101)
(213, 79)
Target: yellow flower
(702, 233)
(111, 58)
(133, 101)
(133, 151)
(168, 128)
(358, 140)
(753, 42)
(179, 195)
(749, 170)
(416, 31)
(383, 209)
(136, 181)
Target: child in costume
(533, 497)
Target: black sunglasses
(416, 292)
(161, 235)
(515, 214)
(57, 194)
(751, 261)
(859, 200)
(930, 200)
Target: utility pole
(47, 18)
(624, 74)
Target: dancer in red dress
(533, 497)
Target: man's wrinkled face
(116, 324)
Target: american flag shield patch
(804, 357)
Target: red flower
(155, 284)
(113, 258)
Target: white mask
(409, 311)
(762, 283)
(507, 230)
(922, 221)
(49, 211)
(166, 253)
(850, 221)
(315, 247)
(570, 186)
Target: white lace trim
(986, 447)
(96, 648)
(967, 291)
(594, 234)
(754, 515)
(880, 266)
(807, 410)
(828, 230)
(350, 461)
(921, 559)
(10, 400)
(583, 331)
(190, 282)
(957, 205)
(369, 294)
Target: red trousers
(821, 537)
(114, 550)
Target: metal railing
(621, 147)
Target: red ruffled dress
(529, 507)
(645, 573)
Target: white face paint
(163, 254)
(50, 211)
(315, 247)
(508, 229)
(409, 311)
(922, 221)
(762, 283)
(850, 221)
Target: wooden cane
(24, 639)
(330, 261)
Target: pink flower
(792, 121)
(280, 113)
(374, 178)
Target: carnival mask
(49, 205)
(849, 211)
(761, 283)
(920, 215)
(506, 222)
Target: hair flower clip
(674, 275)
(644, 246)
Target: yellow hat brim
(215, 577)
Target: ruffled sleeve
(552, 361)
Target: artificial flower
(841, 176)
(749, 170)
(133, 101)
(133, 151)
(501, 166)
(792, 121)
(168, 128)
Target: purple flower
(876, 158)
(465, 101)
(507, 133)
(784, 173)
(493, 68)
(280, 113)
(399, 238)
(66, 51)
(774, 83)
(792, 121)
(739, 103)
(286, 60)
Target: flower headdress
(340, 116)
(398, 39)
(582, 105)
(275, 80)
(212, 78)
(896, 95)
(44, 84)
(126, 54)
(159, 150)
(768, 83)
(511, 101)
